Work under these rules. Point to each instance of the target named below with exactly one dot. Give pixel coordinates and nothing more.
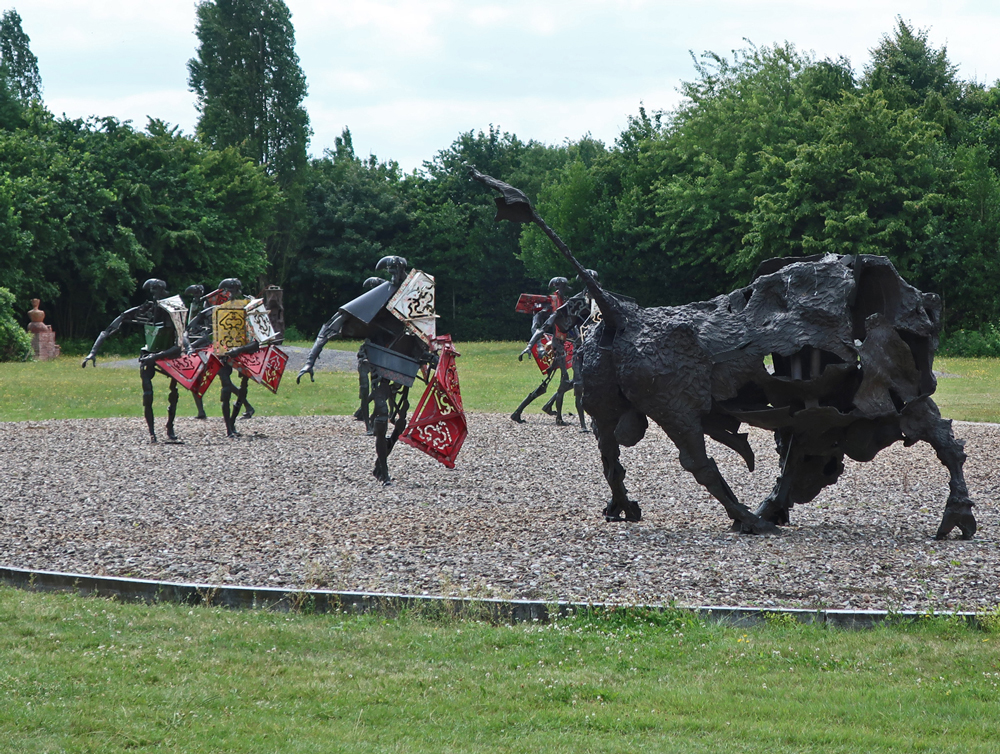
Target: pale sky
(408, 77)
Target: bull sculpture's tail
(513, 205)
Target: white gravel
(292, 503)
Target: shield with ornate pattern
(413, 305)
(229, 326)
(545, 355)
(438, 426)
(264, 367)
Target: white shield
(413, 304)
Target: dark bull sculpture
(852, 346)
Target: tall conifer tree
(19, 64)
(250, 88)
(249, 85)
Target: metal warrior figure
(550, 345)
(397, 321)
(163, 318)
(244, 340)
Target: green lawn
(492, 380)
(91, 675)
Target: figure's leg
(243, 401)
(540, 390)
(146, 372)
(380, 425)
(400, 408)
(695, 460)
(921, 420)
(226, 380)
(614, 473)
(364, 390)
(578, 390)
(171, 409)
(200, 405)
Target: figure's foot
(360, 416)
(629, 512)
(548, 410)
(248, 414)
(560, 422)
(959, 515)
(516, 418)
(233, 434)
(152, 439)
(202, 416)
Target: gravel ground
(292, 503)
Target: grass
(491, 378)
(92, 675)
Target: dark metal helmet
(372, 282)
(194, 291)
(396, 265)
(592, 273)
(156, 288)
(559, 284)
(233, 286)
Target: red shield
(531, 303)
(193, 372)
(264, 366)
(438, 425)
(545, 356)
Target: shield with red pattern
(438, 426)
(545, 355)
(532, 303)
(264, 367)
(194, 371)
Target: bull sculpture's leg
(614, 473)
(540, 390)
(775, 506)
(921, 420)
(229, 416)
(381, 395)
(171, 409)
(146, 372)
(695, 460)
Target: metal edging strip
(509, 611)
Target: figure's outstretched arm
(170, 353)
(115, 326)
(547, 327)
(328, 332)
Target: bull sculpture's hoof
(203, 416)
(755, 525)
(960, 516)
(771, 511)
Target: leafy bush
(15, 343)
(984, 342)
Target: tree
(907, 70)
(249, 85)
(18, 63)
(249, 89)
(356, 215)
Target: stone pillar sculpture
(43, 337)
